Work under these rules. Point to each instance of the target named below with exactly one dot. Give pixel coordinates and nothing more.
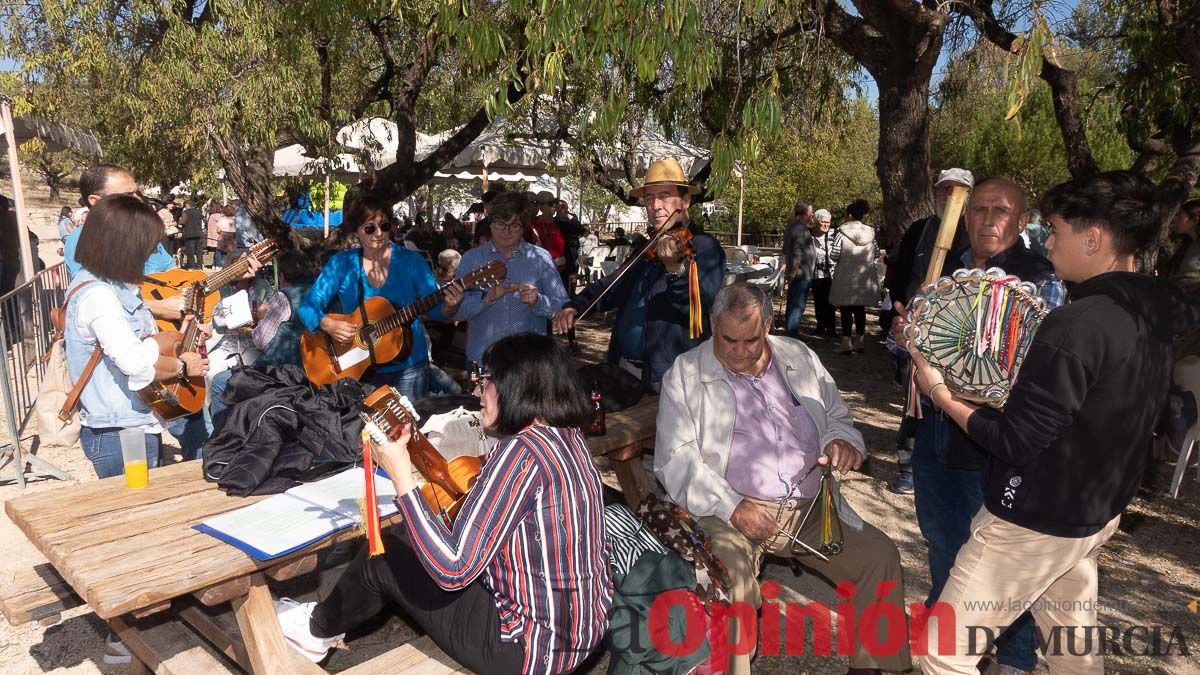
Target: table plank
(124, 562)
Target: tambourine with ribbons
(975, 328)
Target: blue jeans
(797, 298)
(412, 381)
(192, 432)
(103, 447)
(216, 389)
(946, 501)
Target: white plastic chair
(735, 255)
(1187, 375)
(596, 270)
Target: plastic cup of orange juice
(133, 453)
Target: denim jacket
(106, 401)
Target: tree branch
(1063, 86)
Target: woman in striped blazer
(520, 582)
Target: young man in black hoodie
(1068, 451)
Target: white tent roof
(496, 151)
(292, 161)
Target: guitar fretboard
(405, 316)
(227, 275)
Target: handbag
(57, 399)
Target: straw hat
(665, 172)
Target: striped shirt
(532, 525)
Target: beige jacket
(695, 422)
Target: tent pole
(741, 200)
(14, 167)
(326, 206)
(558, 186)
(485, 177)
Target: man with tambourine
(749, 427)
(1068, 450)
(946, 463)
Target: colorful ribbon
(370, 504)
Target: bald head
(996, 216)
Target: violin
(447, 482)
(679, 231)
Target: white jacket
(695, 422)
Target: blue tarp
(308, 218)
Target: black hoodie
(1070, 447)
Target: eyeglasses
(370, 228)
(508, 225)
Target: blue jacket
(409, 279)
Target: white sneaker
(115, 653)
(293, 621)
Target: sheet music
(300, 516)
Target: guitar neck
(405, 316)
(226, 276)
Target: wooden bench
(36, 594)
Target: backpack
(57, 399)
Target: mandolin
(182, 396)
(384, 413)
(181, 282)
(386, 334)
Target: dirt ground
(1148, 572)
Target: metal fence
(25, 335)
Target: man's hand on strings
(565, 319)
(453, 298)
(394, 459)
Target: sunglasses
(382, 227)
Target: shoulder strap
(72, 401)
(58, 315)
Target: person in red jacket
(546, 230)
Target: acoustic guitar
(384, 413)
(178, 281)
(386, 334)
(181, 396)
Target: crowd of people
(1013, 504)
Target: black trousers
(193, 256)
(464, 624)
(857, 313)
(826, 313)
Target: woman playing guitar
(377, 267)
(105, 316)
(520, 582)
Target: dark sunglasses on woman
(370, 229)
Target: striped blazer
(533, 528)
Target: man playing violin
(656, 295)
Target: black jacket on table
(652, 307)
(1068, 452)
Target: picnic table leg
(262, 636)
(627, 464)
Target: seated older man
(742, 420)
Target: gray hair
(823, 213)
(743, 296)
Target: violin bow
(612, 279)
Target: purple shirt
(775, 440)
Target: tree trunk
(903, 162)
(249, 170)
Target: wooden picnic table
(130, 554)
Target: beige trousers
(1004, 569)
(868, 558)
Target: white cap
(960, 176)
